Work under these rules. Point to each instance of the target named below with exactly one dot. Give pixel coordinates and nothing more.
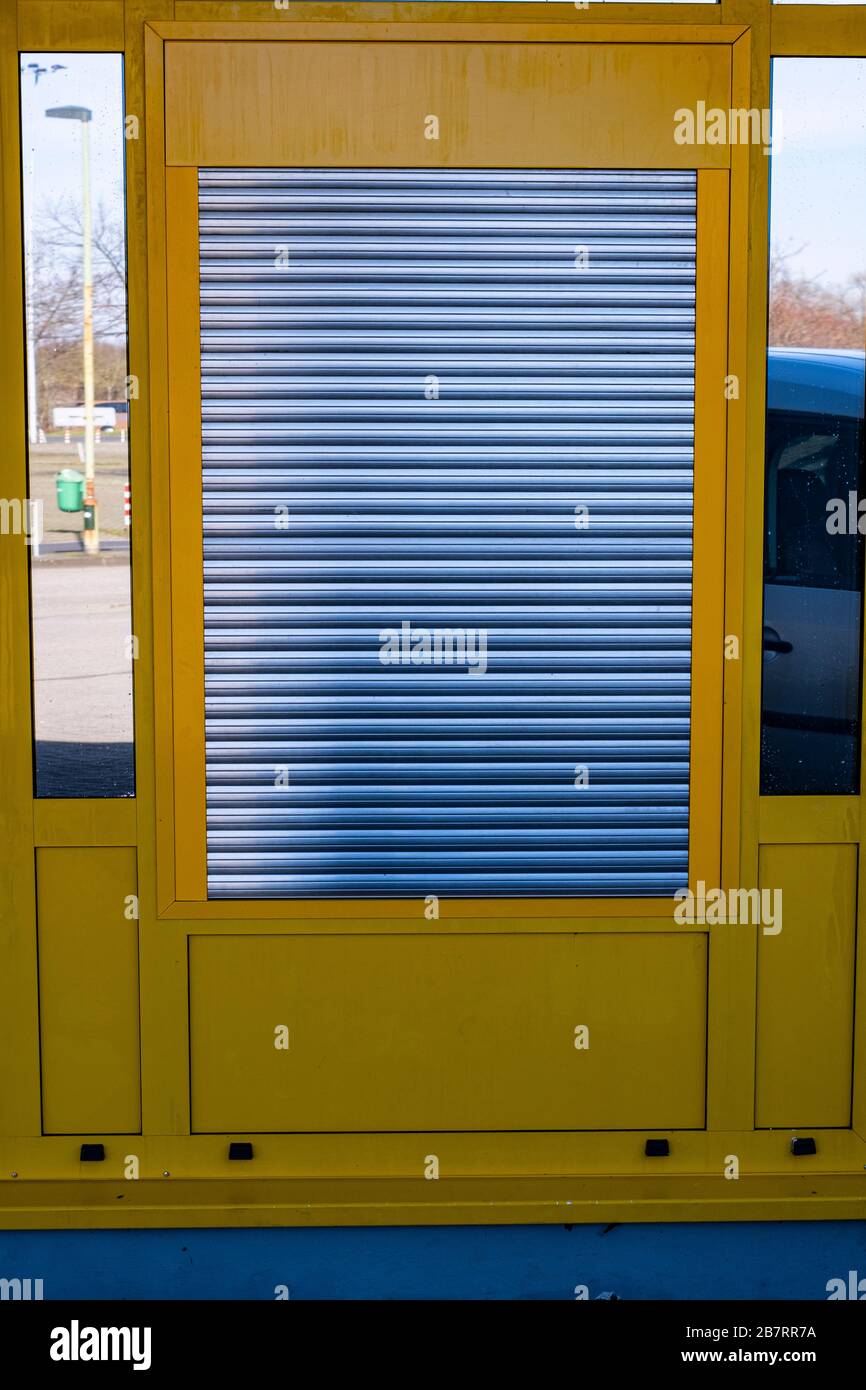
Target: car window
(813, 565)
(812, 472)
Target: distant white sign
(71, 417)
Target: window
(78, 394)
(813, 575)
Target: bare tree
(59, 232)
(807, 313)
(55, 306)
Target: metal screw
(166, 1173)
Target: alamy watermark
(846, 516)
(22, 516)
(434, 646)
(851, 1288)
(77, 1343)
(21, 1290)
(757, 907)
(714, 125)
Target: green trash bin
(70, 490)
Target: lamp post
(84, 116)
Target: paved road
(83, 677)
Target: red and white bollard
(127, 505)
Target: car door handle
(774, 643)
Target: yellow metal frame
(373, 1179)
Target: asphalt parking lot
(81, 623)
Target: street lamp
(84, 116)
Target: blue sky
(51, 149)
(818, 188)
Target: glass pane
(814, 523)
(75, 268)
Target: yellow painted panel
(731, 1011)
(19, 1038)
(187, 558)
(447, 1033)
(548, 105)
(806, 988)
(88, 991)
(809, 820)
(708, 539)
(819, 30)
(62, 821)
(70, 25)
(484, 18)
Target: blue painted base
(762, 1260)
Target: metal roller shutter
(413, 382)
